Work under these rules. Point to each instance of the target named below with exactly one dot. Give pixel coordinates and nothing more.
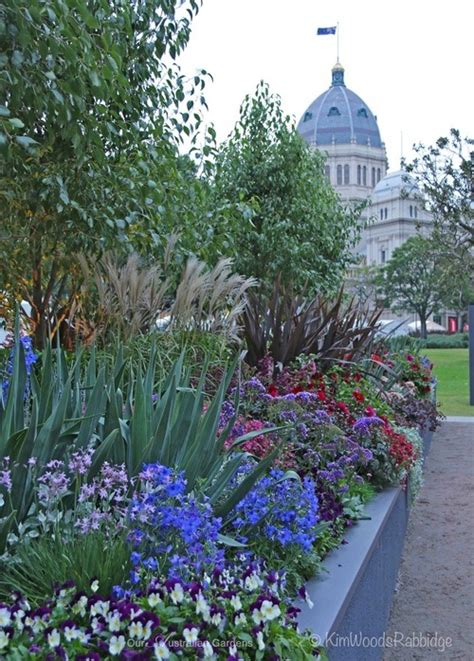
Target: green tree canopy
(445, 173)
(93, 107)
(413, 280)
(294, 224)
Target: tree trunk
(423, 331)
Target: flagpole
(337, 34)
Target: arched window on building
(411, 210)
(373, 178)
(359, 175)
(364, 175)
(327, 170)
(381, 214)
(378, 175)
(416, 212)
(386, 213)
(339, 175)
(346, 174)
(383, 256)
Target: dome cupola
(339, 116)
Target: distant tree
(91, 117)
(445, 174)
(413, 280)
(293, 223)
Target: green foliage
(287, 326)
(452, 341)
(127, 422)
(91, 118)
(293, 222)
(412, 280)
(445, 172)
(43, 563)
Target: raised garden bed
(353, 597)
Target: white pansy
(253, 582)
(54, 638)
(135, 630)
(135, 613)
(153, 599)
(116, 645)
(257, 616)
(114, 621)
(240, 619)
(100, 608)
(80, 606)
(269, 610)
(161, 651)
(5, 617)
(4, 639)
(260, 643)
(70, 633)
(95, 585)
(177, 594)
(216, 619)
(190, 635)
(236, 603)
(207, 650)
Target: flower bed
(198, 547)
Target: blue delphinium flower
(171, 531)
(30, 359)
(285, 509)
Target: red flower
(342, 406)
(370, 412)
(321, 395)
(357, 377)
(375, 357)
(272, 390)
(358, 396)
(297, 389)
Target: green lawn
(451, 368)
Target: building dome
(339, 116)
(396, 184)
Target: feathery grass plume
(210, 300)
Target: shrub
(452, 341)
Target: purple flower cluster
(172, 532)
(104, 500)
(5, 474)
(285, 509)
(191, 619)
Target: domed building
(340, 124)
(397, 215)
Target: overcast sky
(410, 61)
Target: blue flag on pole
(331, 30)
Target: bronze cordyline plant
(285, 326)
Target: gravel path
(435, 598)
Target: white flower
(153, 599)
(80, 606)
(260, 643)
(190, 635)
(54, 638)
(83, 637)
(202, 607)
(116, 645)
(70, 633)
(269, 611)
(135, 613)
(233, 651)
(5, 617)
(236, 603)
(95, 585)
(216, 619)
(257, 616)
(135, 630)
(240, 619)
(253, 582)
(207, 649)
(114, 621)
(3, 640)
(161, 651)
(38, 625)
(177, 594)
(100, 608)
